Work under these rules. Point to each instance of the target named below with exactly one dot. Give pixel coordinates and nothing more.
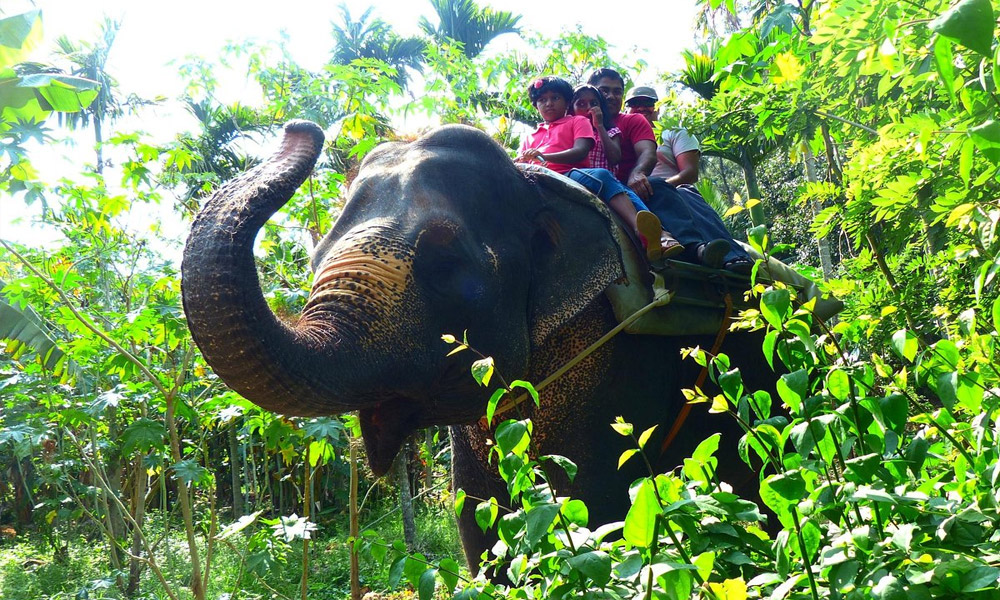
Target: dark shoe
(740, 266)
(713, 253)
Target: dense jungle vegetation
(855, 139)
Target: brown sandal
(649, 229)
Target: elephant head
(440, 235)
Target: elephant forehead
(397, 169)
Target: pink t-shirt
(634, 128)
(560, 135)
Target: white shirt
(675, 142)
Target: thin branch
(86, 322)
(823, 113)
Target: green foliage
(878, 444)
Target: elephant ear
(575, 251)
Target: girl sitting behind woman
(562, 143)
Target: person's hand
(640, 185)
(531, 155)
(596, 116)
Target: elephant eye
(438, 260)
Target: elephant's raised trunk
(292, 369)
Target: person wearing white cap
(676, 201)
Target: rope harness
(660, 298)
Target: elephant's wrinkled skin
(443, 235)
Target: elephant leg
(472, 474)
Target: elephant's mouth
(386, 425)
(385, 428)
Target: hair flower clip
(539, 83)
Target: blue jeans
(692, 222)
(603, 184)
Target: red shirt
(560, 135)
(634, 128)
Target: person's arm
(687, 164)
(612, 151)
(645, 151)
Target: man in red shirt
(638, 143)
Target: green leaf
(622, 427)
(774, 305)
(491, 406)
(425, 589)
(486, 513)
(238, 526)
(979, 578)
(970, 23)
(525, 385)
(644, 437)
(640, 521)
(905, 344)
(731, 383)
(792, 388)
(143, 434)
(576, 512)
(812, 537)
(459, 502)
(944, 61)
(770, 341)
(564, 463)
(414, 568)
(996, 315)
(191, 472)
(18, 36)
(623, 458)
(482, 370)
(539, 520)
(27, 329)
(838, 383)
(889, 588)
(512, 437)
(704, 562)
(449, 571)
(595, 564)
(986, 137)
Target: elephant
(441, 235)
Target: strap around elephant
(660, 298)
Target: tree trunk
(235, 471)
(429, 467)
(184, 495)
(753, 188)
(138, 516)
(401, 475)
(307, 513)
(353, 507)
(822, 244)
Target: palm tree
(374, 38)
(89, 61)
(214, 155)
(466, 22)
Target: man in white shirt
(676, 201)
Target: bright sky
(155, 32)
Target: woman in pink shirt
(562, 143)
